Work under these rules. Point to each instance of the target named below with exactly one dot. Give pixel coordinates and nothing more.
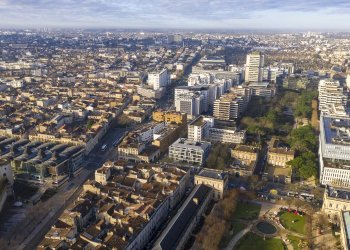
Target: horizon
(270, 15)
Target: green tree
(303, 139)
(305, 165)
(89, 123)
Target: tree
(321, 221)
(305, 165)
(271, 116)
(304, 139)
(89, 123)
(254, 181)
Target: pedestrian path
(237, 237)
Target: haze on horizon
(179, 14)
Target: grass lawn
(247, 211)
(294, 240)
(298, 226)
(236, 227)
(252, 241)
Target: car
(104, 147)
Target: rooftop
(211, 173)
(346, 218)
(336, 130)
(199, 121)
(337, 193)
(184, 142)
(177, 226)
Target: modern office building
(334, 151)
(192, 152)
(254, 67)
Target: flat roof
(179, 224)
(258, 84)
(336, 130)
(199, 121)
(346, 216)
(211, 173)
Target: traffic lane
(259, 169)
(112, 135)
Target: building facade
(254, 67)
(192, 152)
(198, 129)
(215, 179)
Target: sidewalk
(237, 237)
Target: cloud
(167, 13)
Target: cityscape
(208, 131)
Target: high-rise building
(192, 100)
(175, 38)
(331, 94)
(190, 103)
(198, 129)
(348, 81)
(254, 68)
(158, 79)
(228, 107)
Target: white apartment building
(243, 91)
(254, 67)
(158, 79)
(147, 131)
(227, 135)
(192, 100)
(229, 107)
(191, 103)
(192, 152)
(16, 83)
(334, 151)
(198, 129)
(330, 93)
(264, 89)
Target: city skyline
(200, 14)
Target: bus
(306, 195)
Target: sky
(178, 14)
